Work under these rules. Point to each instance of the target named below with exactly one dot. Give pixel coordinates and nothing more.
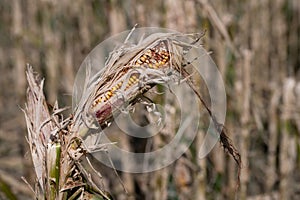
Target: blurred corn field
(256, 45)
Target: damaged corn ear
(154, 58)
(106, 96)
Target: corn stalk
(54, 152)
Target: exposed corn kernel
(104, 98)
(148, 53)
(131, 80)
(143, 59)
(109, 93)
(113, 88)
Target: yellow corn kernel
(135, 78)
(143, 59)
(109, 93)
(131, 80)
(113, 88)
(98, 101)
(148, 53)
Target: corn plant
(56, 143)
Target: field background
(255, 43)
